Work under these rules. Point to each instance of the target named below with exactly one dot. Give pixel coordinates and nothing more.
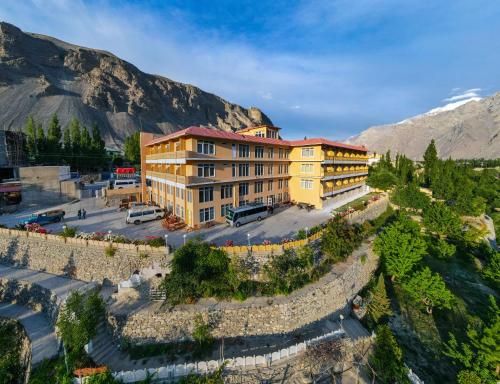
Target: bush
(156, 242)
(340, 239)
(68, 231)
(442, 249)
(301, 234)
(290, 270)
(109, 251)
(11, 370)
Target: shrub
(301, 234)
(340, 239)
(387, 357)
(290, 270)
(156, 242)
(314, 229)
(143, 255)
(109, 251)
(442, 249)
(68, 231)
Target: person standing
(84, 214)
(79, 214)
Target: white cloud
(468, 94)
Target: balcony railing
(340, 173)
(177, 155)
(362, 159)
(328, 191)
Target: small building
(47, 184)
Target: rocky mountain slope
(465, 131)
(40, 75)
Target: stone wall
(145, 322)
(76, 258)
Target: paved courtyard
(285, 222)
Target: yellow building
(198, 173)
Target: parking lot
(285, 222)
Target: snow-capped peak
(444, 108)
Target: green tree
(98, 146)
(442, 249)
(54, 136)
(202, 332)
(86, 147)
(340, 239)
(428, 289)
(440, 219)
(410, 196)
(381, 178)
(387, 358)
(75, 133)
(41, 144)
(401, 247)
(481, 352)
(31, 137)
(468, 377)
(67, 147)
(430, 161)
(78, 321)
(133, 148)
(379, 305)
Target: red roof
(218, 134)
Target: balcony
(178, 157)
(330, 191)
(342, 174)
(345, 159)
(180, 179)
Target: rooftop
(224, 135)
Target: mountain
(462, 130)
(40, 75)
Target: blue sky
(318, 68)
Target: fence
(175, 371)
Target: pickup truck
(46, 217)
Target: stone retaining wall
(149, 322)
(76, 258)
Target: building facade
(198, 173)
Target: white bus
(247, 213)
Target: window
(259, 152)
(270, 153)
(306, 184)
(259, 200)
(308, 152)
(280, 197)
(270, 185)
(306, 168)
(280, 153)
(243, 169)
(280, 184)
(177, 192)
(270, 169)
(243, 150)
(280, 169)
(206, 170)
(287, 153)
(259, 169)
(226, 191)
(206, 147)
(241, 203)
(233, 167)
(243, 189)
(286, 183)
(224, 208)
(286, 168)
(259, 134)
(189, 195)
(258, 186)
(206, 214)
(206, 194)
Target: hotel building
(198, 173)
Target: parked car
(46, 217)
(141, 214)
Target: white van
(124, 183)
(141, 214)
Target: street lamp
(166, 244)
(341, 318)
(184, 237)
(307, 232)
(109, 236)
(248, 237)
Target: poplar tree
(30, 131)
(387, 358)
(53, 140)
(379, 304)
(430, 161)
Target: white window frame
(205, 147)
(308, 152)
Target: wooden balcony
(351, 159)
(355, 172)
(178, 155)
